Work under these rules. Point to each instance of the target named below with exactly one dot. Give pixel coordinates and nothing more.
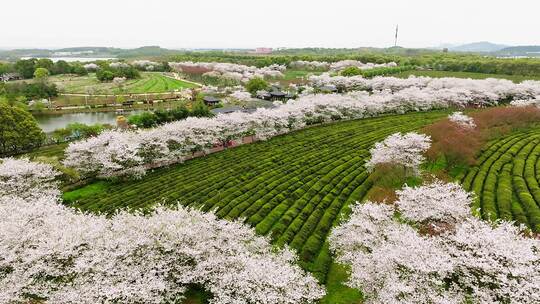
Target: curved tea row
(506, 180)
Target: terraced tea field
(292, 187)
(506, 179)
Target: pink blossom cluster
(241, 95)
(406, 150)
(91, 67)
(119, 65)
(310, 65)
(462, 120)
(526, 102)
(343, 64)
(239, 72)
(428, 248)
(22, 177)
(49, 251)
(146, 65)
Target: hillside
(145, 51)
(526, 50)
(478, 47)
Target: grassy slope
(293, 188)
(439, 74)
(295, 74)
(48, 151)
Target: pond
(50, 123)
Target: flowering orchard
(471, 91)
(131, 153)
(237, 72)
(291, 188)
(310, 65)
(343, 64)
(51, 252)
(428, 248)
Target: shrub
(458, 145)
(256, 84)
(105, 75)
(503, 120)
(351, 71)
(19, 130)
(143, 120)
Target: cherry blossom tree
(400, 149)
(119, 65)
(310, 65)
(238, 72)
(526, 102)
(22, 177)
(396, 256)
(91, 67)
(462, 120)
(51, 252)
(146, 65)
(479, 92)
(340, 65)
(241, 95)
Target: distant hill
(145, 51)
(518, 51)
(478, 47)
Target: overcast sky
(273, 23)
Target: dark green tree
(78, 69)
(61, 67)
(19, 130)
(200, 110)
(26, 67)
(104, 75)
(351, 71)
(41, 74)
(44, 63)
(256, 84)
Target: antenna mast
(395, 41)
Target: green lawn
(150, 82)
(297, 74)
(439, 74)
(48, 151)
(293, 188)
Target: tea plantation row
(292, 187)
(506, 180)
